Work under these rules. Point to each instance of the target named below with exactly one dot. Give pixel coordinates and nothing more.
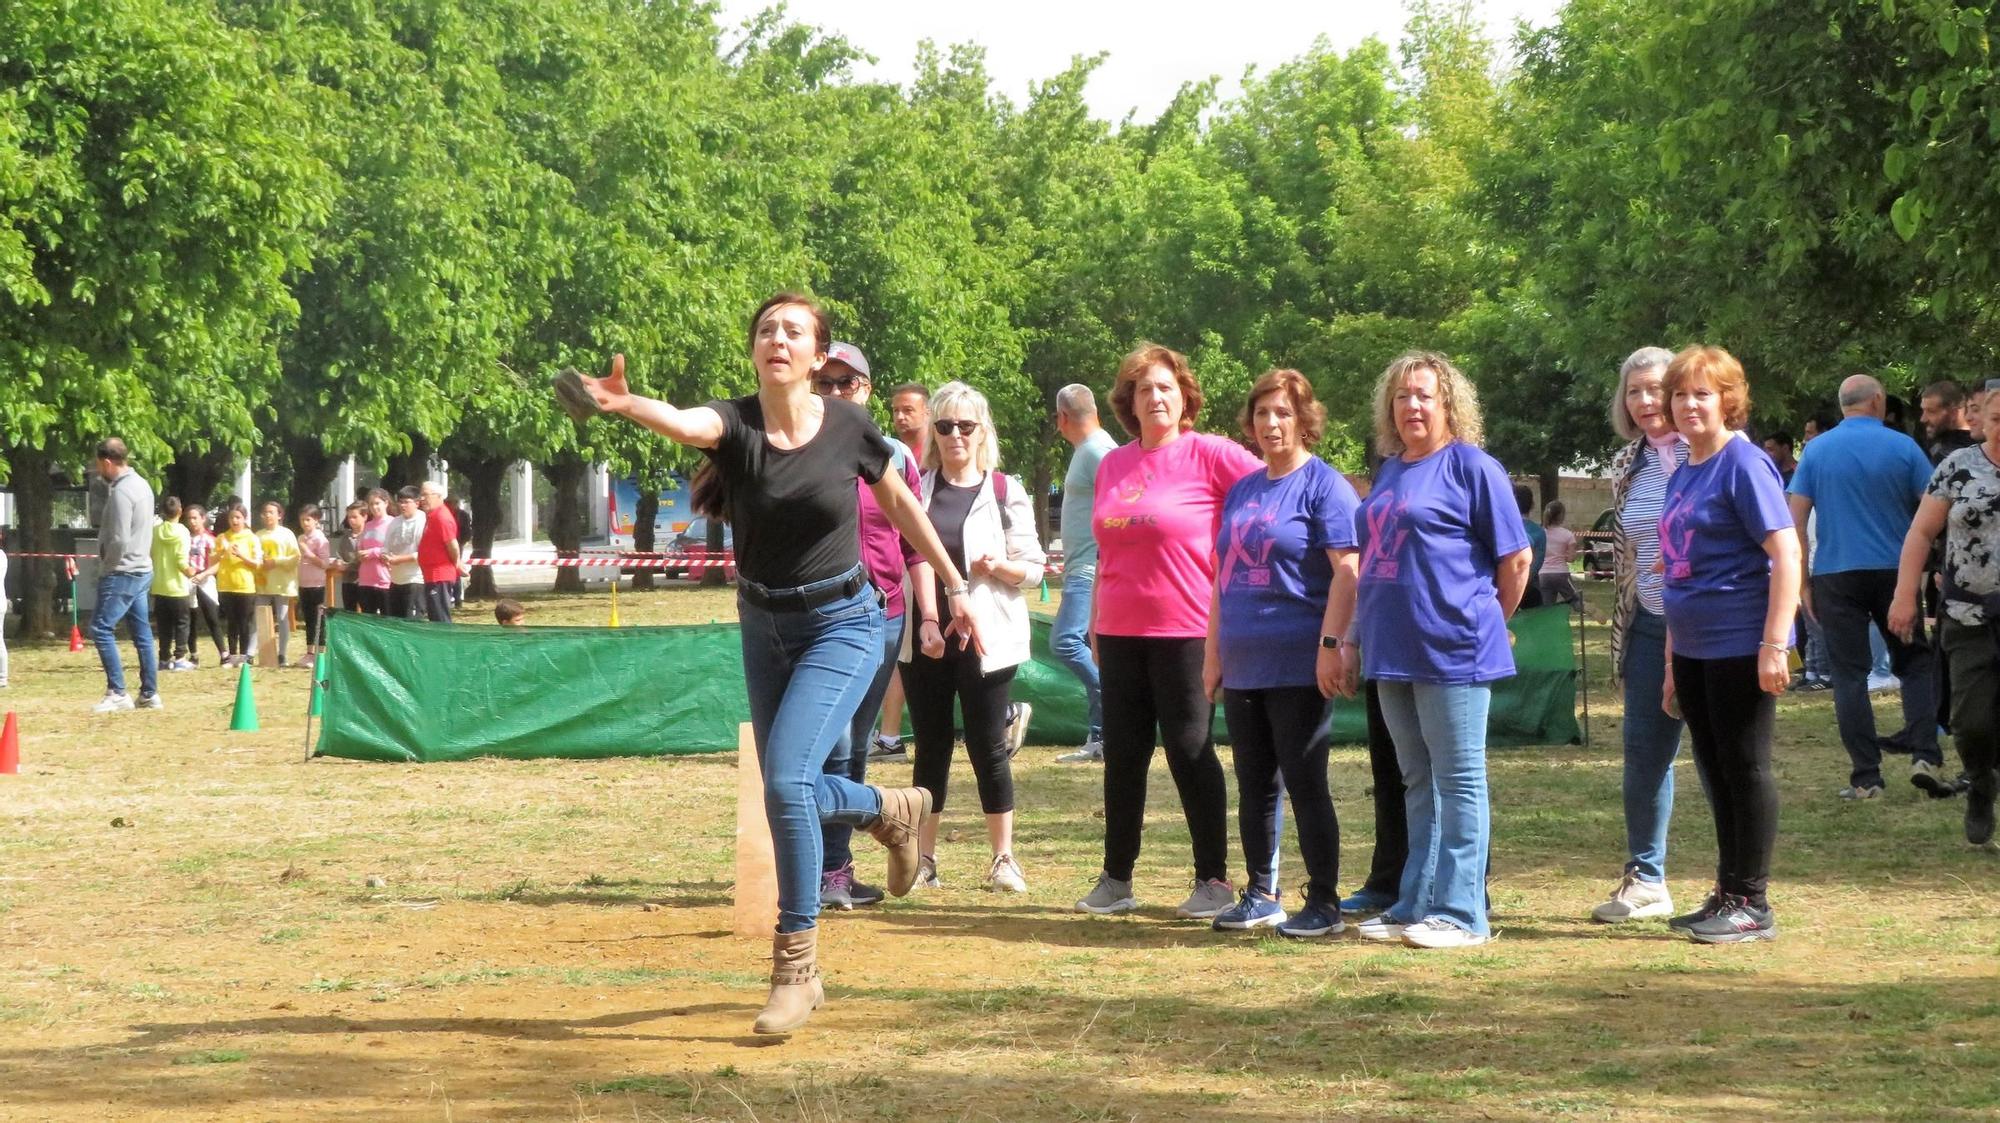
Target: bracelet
(1774, 646)
(932, 620)
(950, 594)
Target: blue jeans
(1069, 640)
(805, 672)
(1652, 739)
(1440, 735)
(1853, 607)
(122, 596)
(849, 757)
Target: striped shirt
(1640, 515)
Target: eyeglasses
(845, 384)
(945, 425)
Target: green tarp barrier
(407, 691)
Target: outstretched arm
(699, 427)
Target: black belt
(804, 597)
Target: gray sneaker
(151, 702)
(884, 751)
(1864, 791)
(1111, 895)
(1209, 898)
(1092, 752)
(1017, 727)
(839, 890)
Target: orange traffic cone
(75, 638)
(10, 747)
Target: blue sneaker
(1366, 901)
(1252, 910)
(1316, 919)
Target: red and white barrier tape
(614, 563)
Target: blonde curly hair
(1461, 402)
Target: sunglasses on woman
(845, 384)
(944, 426)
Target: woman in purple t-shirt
(1444, 560)
(1284, 594)
(1730, 561)
(1155, 509)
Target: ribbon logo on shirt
(1386, 536)
(1677, 537)
(1250, 543)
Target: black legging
(311, 602)
(209, 611)
(1392, 829)
(1275, 733)
(238, 611)
(173, 627)
(1729, 721)
(1153, 684)
(930, 686)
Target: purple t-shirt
(1432, 533)
(1273, 573)
(1712, 530)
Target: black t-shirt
(950, 504)
(793, 510)
(1948, 442)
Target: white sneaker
(151, 702)
(1092, 752)
(1017, 726)
(1438, 932)
(1634, 900)
(1380, 927)
(927, 877)
(1879, 683)
(1006, 875)
(113, 702)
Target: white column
(343, 491)
(524, 499)
(598, 496)
(243, 485)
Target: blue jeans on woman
(1440, 735)
(1069, 641)
(805, 671)
(850, 754)
(1652, 740)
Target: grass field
(196, 925)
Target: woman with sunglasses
(1158, 503)
(782, 466)
(988, 528)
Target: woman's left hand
(964, 626)
(1773, 674)
(1327, 672)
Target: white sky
(1154, 47)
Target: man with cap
(887, 557)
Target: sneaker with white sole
(1932, 780)
(884, 750)
(1380, 927)
(1092, 752)
(1017, 726)
(1005, 876)
(113, 702)
(1437, 932)
(1318, 918)
(1252, 910)
(927, 875)
(151, 702)
(1737, 921)
(839, 890)
(1709, 907)
(1634, 899)
(1208, 900)
(1110, 895)
(1861, 791)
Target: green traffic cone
(319, 677)
(1045, 590)
(244, 719)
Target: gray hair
(1859, 390)
(1638, 362)
(959, 401)
(1076, 402)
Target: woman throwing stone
(782, 466)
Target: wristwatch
(1331, 643)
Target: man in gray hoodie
(124, 579)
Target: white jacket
(997, 607)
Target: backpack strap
(1000, 497)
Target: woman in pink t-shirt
(374, 558)
(1155, 513)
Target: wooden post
(267, 637)
(756, 864)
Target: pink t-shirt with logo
(1155, 515)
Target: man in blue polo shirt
(1865, 480)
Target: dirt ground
(198, 925)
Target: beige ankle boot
(795, 987)
(903, 810)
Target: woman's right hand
(1211, 676)
(1669, 704)
(610, 392)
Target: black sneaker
(1979, 810)
(1708, 909)
(1737, 921)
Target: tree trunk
(565, 475)
(715, 574)
(312, 472)
(486, 477)
(411, 468)
(643, 539)
(198, 477)
(1551, 482)
(36, 500)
